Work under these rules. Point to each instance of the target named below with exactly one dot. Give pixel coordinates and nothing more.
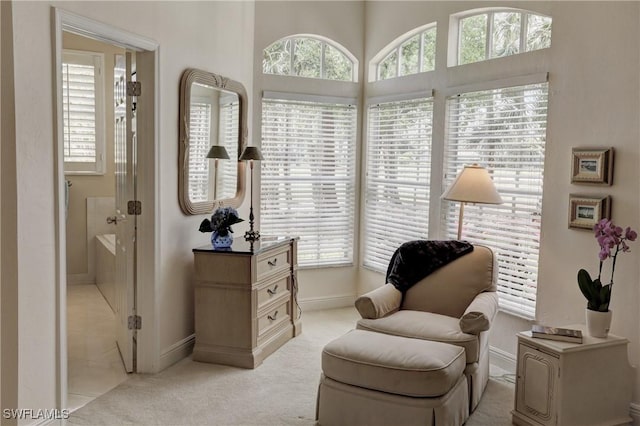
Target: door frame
(147, 177)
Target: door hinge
(134, 88)
(135, 322)
(134, 208)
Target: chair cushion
(425, 326)
(393, 364)
(450, 289)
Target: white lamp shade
(473, 185)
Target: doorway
(131, 227)
(92, 75)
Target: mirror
(213, 112)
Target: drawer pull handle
(273, 318)
(272, 292)
(272, 262)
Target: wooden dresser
(245, 301)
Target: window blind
(308, 177)
(199, 141)
(398, 168)
(504, 130)
(82, 83)
(227, 178)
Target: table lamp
(472, 185)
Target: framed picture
(585, 211)
(592, 165)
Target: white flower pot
(598, 323)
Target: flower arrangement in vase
(612, 240)
(220, 225)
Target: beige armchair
(455, 304)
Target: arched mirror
(213, 117)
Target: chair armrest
(379, 302)
(480, 313)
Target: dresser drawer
(273, 317)
(273, 289)
(272, 262)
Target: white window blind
(83, 112)
(227, 178)
(397, 177)
(199, 142)
(308, 177)
(204, 171)
(504, 130)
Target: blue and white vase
(221, 242)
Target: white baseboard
(176, 352)
(502, 359)
(80, 279)
(319, 303)
(634, 412)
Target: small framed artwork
(585, 211)
(592, 165)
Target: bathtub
(106, 267)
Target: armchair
(455, 304)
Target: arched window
(412, 53)
(309, 56)
(498, 33)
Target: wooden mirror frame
(189, 77)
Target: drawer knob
(273, 318)
(272, 292)
(272, 262)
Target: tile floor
(94, 364)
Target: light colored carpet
(282, 391)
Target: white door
(125, 140)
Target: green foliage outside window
(336, 65)
(429, 50)
(506, 34)
(473, 39)
(389, 67)
(538, 32)
(276, 59)
(307, 57)
(506, 37)
(405, 58)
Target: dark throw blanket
(414, 260)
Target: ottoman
(378, 379)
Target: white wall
(213, 36)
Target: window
(501, 33)
(504, 130)
(398, 172)
(204, 171)
(308, 176)
(83, 112)
(413, 54)
(308, 57)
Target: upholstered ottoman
(378, 379)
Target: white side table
(571, 384)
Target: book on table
(556, 333)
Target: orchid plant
(612, 240)
(221, 221)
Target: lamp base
(252, 235)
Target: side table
(572, 384)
